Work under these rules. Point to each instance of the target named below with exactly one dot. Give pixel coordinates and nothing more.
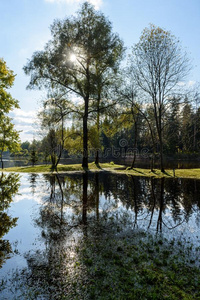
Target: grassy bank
(61, 168)
(179, 173)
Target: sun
(72, 57)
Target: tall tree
(69, 59)
(159, 65)
(53, 116)
(134, 103)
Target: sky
(25, 28)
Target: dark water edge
(168, 163)
(140, 163)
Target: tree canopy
(159, 64)
(80, 46)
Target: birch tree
(159, 65)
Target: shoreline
(108, 167)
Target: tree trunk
(135, 199)
(62, 202)
(85, 186)
(159, 130)
(97, 194)
(154, 200)
(61, 147)
(53, 161)
(135, 145)
(134, 158)
(97, 157)
(161, 153)
(85, 135)
(159, 222)
(98, 125)
(2, 159)
(1, 162)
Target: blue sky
(24, 28)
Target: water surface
(45, 217)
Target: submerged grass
(136, 267)
(127, 266)
(178, 173)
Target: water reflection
(79, 210)
(33, 182)
(85, 199)
(107, 200)
(9, 185)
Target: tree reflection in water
(33, 182)
(62, 219)
(9, 185)
(82, 213)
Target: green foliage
(6, 81)
(25, 145)
(33, 157)
(9, 137)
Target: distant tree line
(181, 137)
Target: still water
(43, 215)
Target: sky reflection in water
(55, 211)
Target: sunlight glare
(73, 57)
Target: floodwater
(43, 215)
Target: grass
(47, 168)
(179, 173)
(136, 267)
(107, 266)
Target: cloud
(187, 84)
(96, 3)
(25, 122)
(19, 113)
(191, 83)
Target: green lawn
(179, 173)
(61, 168)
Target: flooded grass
(138, 266)
(125, 266)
